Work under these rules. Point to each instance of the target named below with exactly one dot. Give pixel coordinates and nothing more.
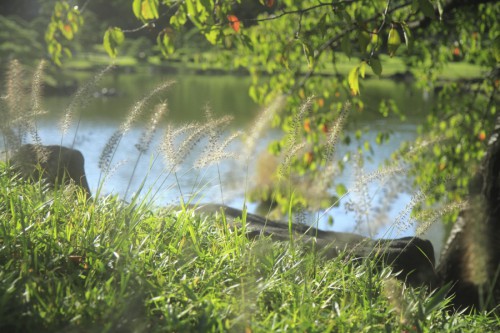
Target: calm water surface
(187, 100)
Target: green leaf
(309, 53)
(364, 39)
(427, 8)
(245, 40)
(145, 9)
(407, 34)
(376, 66)
(136, 7)
(165, 44)
(193, 13)
(322, 25)
(179, 19)
(414, 6)
(345, 45)
(374, 43)
(213, 35)
(393, 41)
(362, 69)
(438, 298)
(496, 48)
(341, 189)
(113, 37)
(66, 30)
(353, 80)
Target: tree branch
(448, 8)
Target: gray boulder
(54, 164)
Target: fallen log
(412, 257)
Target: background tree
(290, 46)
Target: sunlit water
(230, 180)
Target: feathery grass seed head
(147, 135)
(36, 90)
(292, 137)
(404, 221)
(15, 113)
(261, 123)
(15, 97)
(214, 150)
(80, 99)
(218, 154)
(428, 218)
(174, 157)
(137, 109)
(107, 153)
(335, 131)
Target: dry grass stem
(361, 203)
(423, 144)
(403, 221)
(297, 122)
(36, 90)
(215, 131)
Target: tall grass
(76, 265)
(68, 264)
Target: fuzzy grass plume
(146, 137)
(80, 99)
(335, 131)
(134, 113)
(262, 122)
(36, 103)
(293, 146)
(215, 150)
(14, 111)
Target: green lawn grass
(192, 60)
(71, 265)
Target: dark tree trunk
(471, 259)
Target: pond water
(187, 100)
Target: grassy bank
(210, 63)
(67, 264)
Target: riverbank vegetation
(71, 264)
(75, 265)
